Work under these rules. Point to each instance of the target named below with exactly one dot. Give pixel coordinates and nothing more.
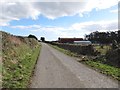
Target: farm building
(69, 40)
(83, 42)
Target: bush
(112, 57)
(32, 36)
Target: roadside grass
(97, 64)
(104, 68)
(18, 65)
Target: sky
(58, 18)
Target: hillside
(19, 55)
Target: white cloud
(76, 30)
(4, 23)
(114, 11)
(88, 26)
(11, 10)
(26, 27)
(53, 10)
(99, 25)
(101, 4)
(16, 11)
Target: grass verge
(102, 68)
(18, 70)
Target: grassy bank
(19, 59)
(96, 64)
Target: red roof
(69, 40)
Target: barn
(69, 40)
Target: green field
(102, 49)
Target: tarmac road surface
(57, 70)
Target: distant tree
(43, 39)
(118, 37)
(32, 36)
(103, 37)
(114, 44)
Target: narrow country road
(57, 70)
